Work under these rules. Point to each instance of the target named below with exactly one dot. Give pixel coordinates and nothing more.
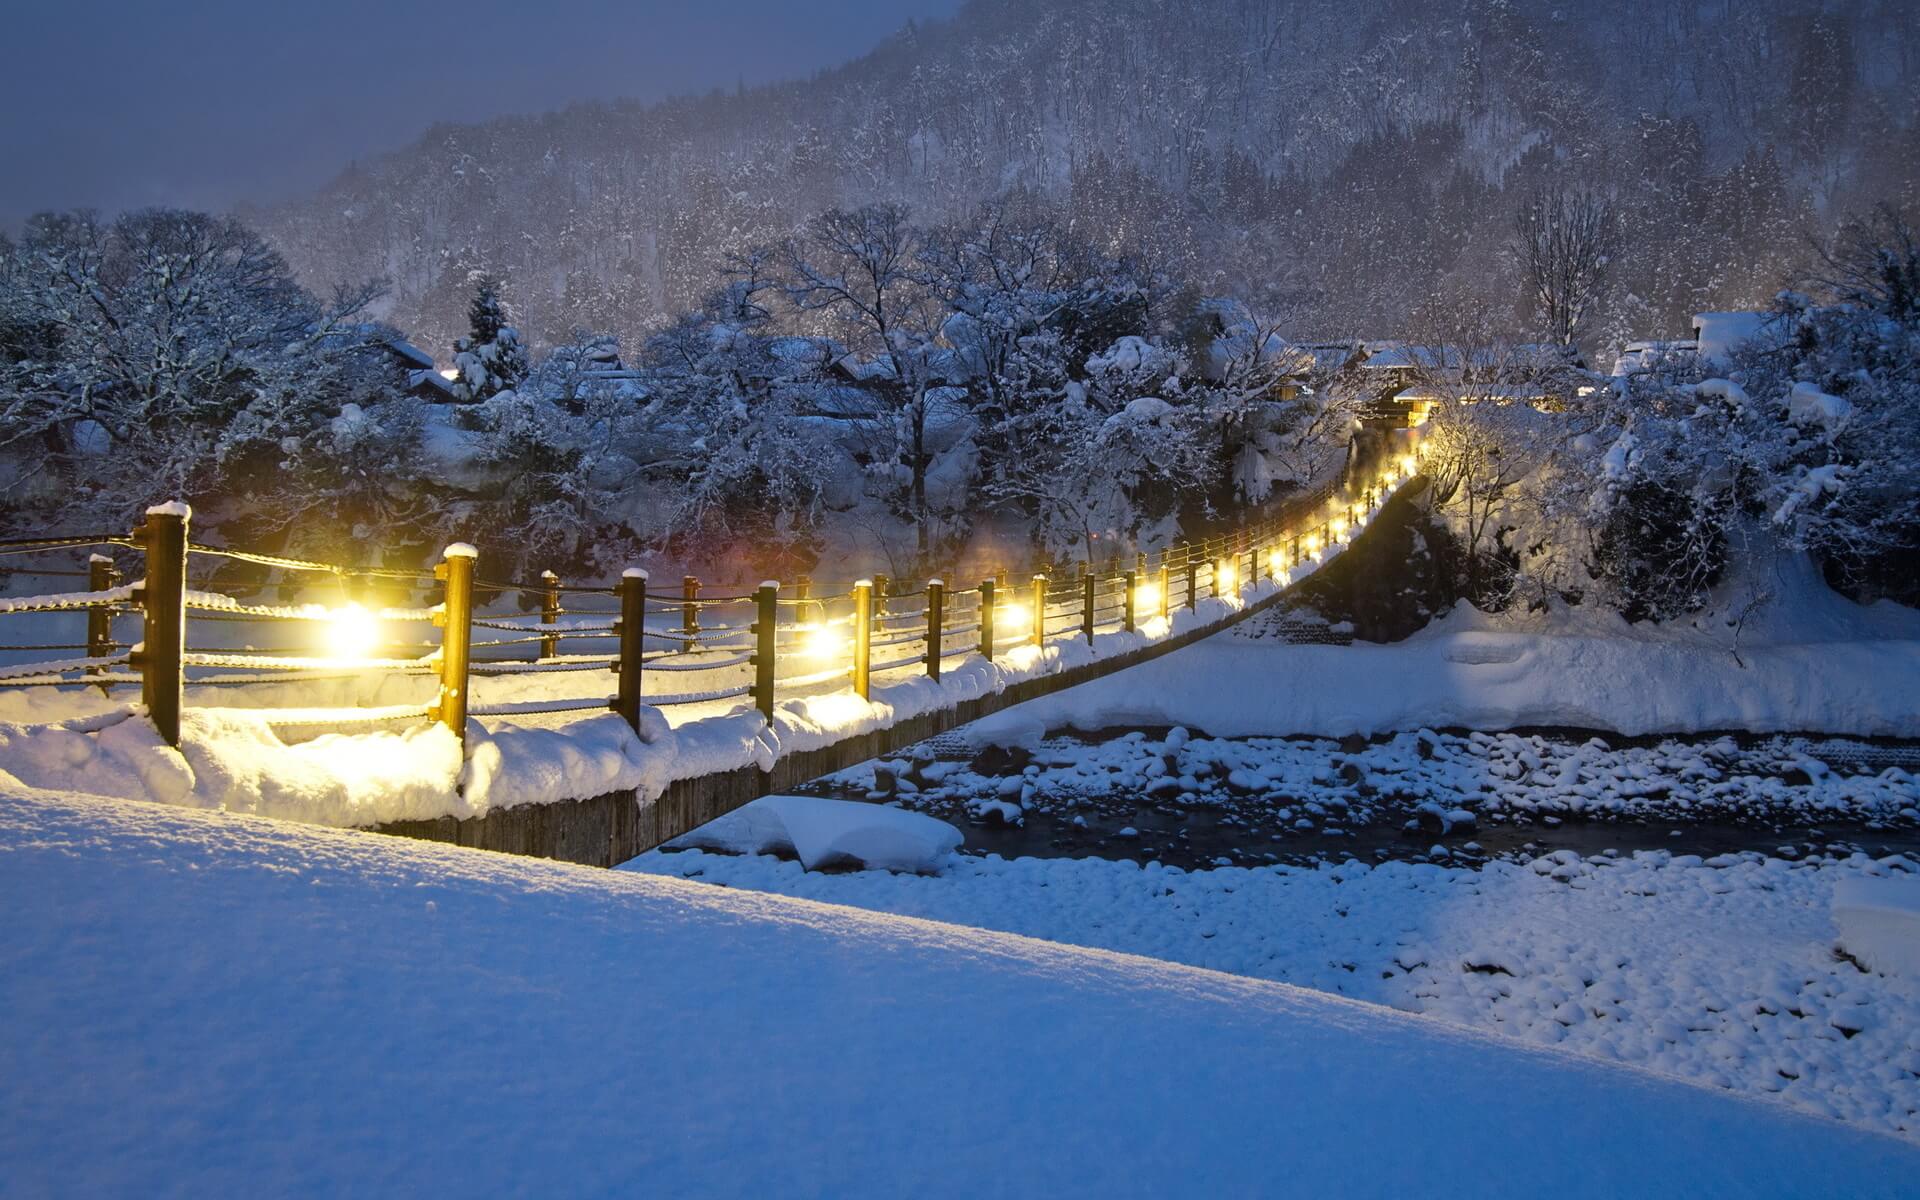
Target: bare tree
(1874, 262)
(862, 270)
(1566, 241)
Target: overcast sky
(207, 103)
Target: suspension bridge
(887, 664)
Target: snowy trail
(214, 1005)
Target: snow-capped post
(1128, 583)
(986, 619)
(1039, 610)
(549, 613)
(632, 628)
(766, 631)
(455, 619)
(862, 637)
(163, 607)
(101, 577)
(1193, 574)
(690, 611)
(936, 625)
(1088, 583)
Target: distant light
(1338, 528)
(352, 634)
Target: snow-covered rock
(822, 833)
(1879, 922)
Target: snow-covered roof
(1718, 334)
(411, 353)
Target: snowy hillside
(1354, 155)
(204, 1004)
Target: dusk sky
(117, 104)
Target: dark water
(1249, 831)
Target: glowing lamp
(1015, 616)
(1226, 577)
(1146, 598)
(352, 633)
(825, 642)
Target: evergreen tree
(490, 358)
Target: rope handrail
(64, 666)
(699, 697)
(59, 601)
(76, 541)
(218, 602)
(736, 661)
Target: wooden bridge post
(1039, 610)
(936, 625)
(631, 625)
(1088, 585)
(1128, 583)
(102, 576)
(1193, 573)
(986, 619)
(456, 636)
(765, 656)
(863, 637)
(1166, 597)
(163, 605)
(549, 613)
(689, 611)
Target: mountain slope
(1353, 159)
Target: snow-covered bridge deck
(718, 699)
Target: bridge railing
(540, 646)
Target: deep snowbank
(203, 1006)
(1825, 666)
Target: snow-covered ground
(1720, 971)
(202, 1004)
(1810, 662)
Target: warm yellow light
(1312, 544)
(1338, 529)
(1226, 577)
(1015, 616)
(823, 641)
(1407, 464)
(1276, 562)
(1146, 598)
(352, 633)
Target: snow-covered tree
(490, 359)
(170, 353)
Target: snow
(824, 833)
(1879, 923)
(205, 1005)
(460, 550)
(1719, 334)
(1719, 971)
(172, 508)
(1813, 663)
(1808, 405)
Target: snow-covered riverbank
(1720, 971)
